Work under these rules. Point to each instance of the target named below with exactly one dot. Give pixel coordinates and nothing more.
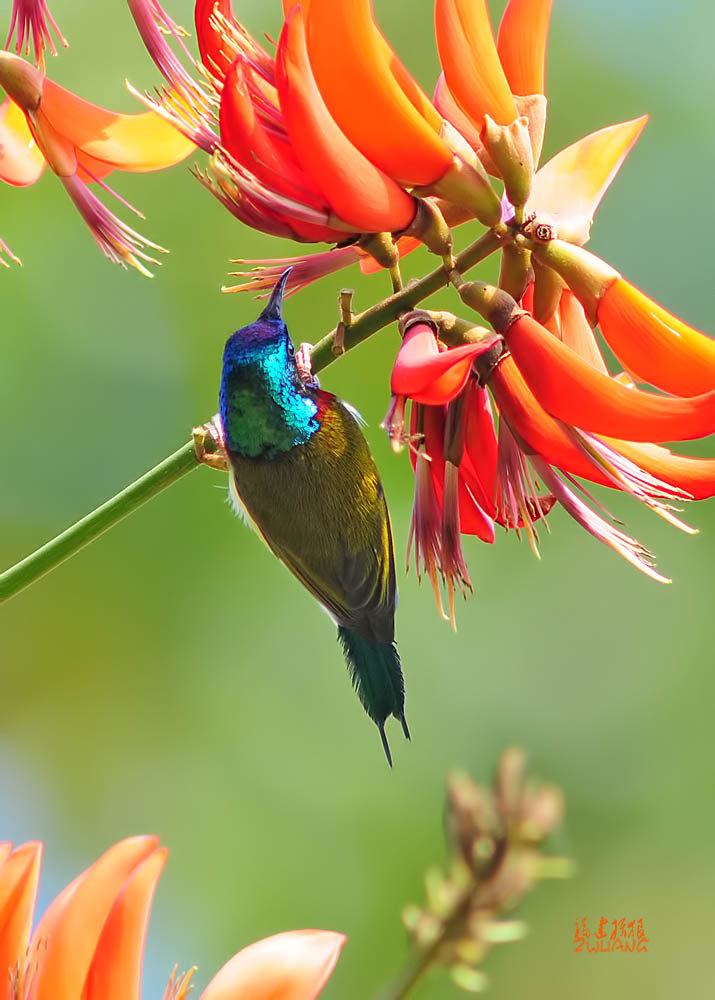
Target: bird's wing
(330, 525)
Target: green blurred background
(173, 679)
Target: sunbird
(301, 473)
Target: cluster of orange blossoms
(375, 168)
(89, 943)
(43, 124)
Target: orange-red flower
(426, 374)
(454, 453)
(82, 143)
(470, 61)
(89, 943)
(358, 73)
(359, 192)
(651, 343)
(280, 161)
(521, 45)
(576, 393)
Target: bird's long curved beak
(274, 307)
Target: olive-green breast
(321, 509)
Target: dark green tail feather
(377, 678)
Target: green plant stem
(56, 551)
(422, 961)
(390, 309)
(20, 576)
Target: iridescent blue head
(266, 408)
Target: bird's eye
(291, 349)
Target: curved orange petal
(258, 149)
(408, 85)
(571, 390)
(216, 53)
(359, 192)
(695, 476)
(404, 79)
(470, 62)
(294, 965)
(576, 331)
(536, 429)
(137, 143)
(359, 87)
(19, 875)
(21, 162)
(653, 344)
(115, 972)
(569, 188)
(71, 926)
(521, 45)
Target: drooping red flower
(453, 450)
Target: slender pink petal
(519, 505)
(117, 241)
(304, 270)
(395, 423)
(234, 185)
(630, 549)
(294, 965)
(426, 521)
(32, 20)
(453, 563)
(5, 249)
(148, 16)
(625, 475)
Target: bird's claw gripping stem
(304, 363)
(209, 446)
